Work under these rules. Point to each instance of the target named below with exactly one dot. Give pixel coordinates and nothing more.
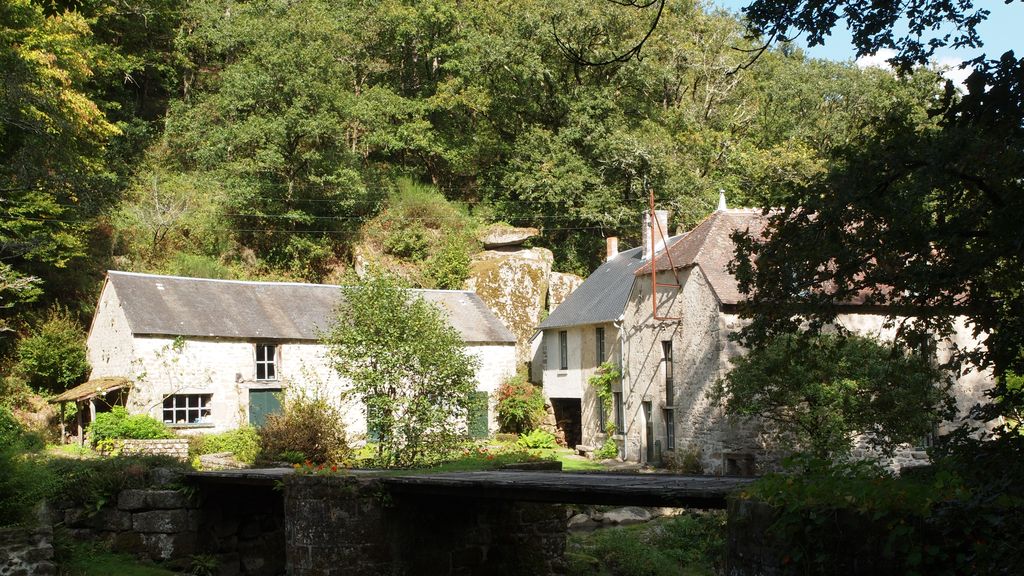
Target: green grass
(90, 560)
(686, 545)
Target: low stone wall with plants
(173, 447)
(344, 525)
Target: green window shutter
(478, 416)
(263, 403)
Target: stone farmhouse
(211, 355)
(674, 348)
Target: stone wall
(27, 551)
(241, 527)
(356, 527)
(173, 447)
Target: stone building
(211, 355)
(674, 348)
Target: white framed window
(187, 409)
(599, 336)
(266, 362)
(563, 350)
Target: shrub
(309, 424)
(119, 425)
(408, 242)
(537, 439)
(243, 443)
(449, 266)
(53, 358)
(520, 405)
(610, 448)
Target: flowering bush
(520, 405)
(307, 468)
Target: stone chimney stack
(611, 244)
(654, 243)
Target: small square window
(266, 362)
(187, 409)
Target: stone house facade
(212, 355)
(672, 359)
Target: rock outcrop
(560, 285)
(500, 236)
(514, 284)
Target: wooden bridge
(623, 489)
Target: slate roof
(602, 297)
(177, 306)
(709, 246)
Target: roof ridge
(268, 283)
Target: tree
(54, 357)
(821, 392)
(407, 366)
(922, 218)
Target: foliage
(310, 426)
(954, 520)
(119, 425)
(54, 357)
(536, 438)
(520, 405)
(607, 374)
(610, 447)
(91, 559)
(308, 468)
(935, 203)
(407, 366)
(243, 443)
(691, 544)
(822, 392)
(420, 237)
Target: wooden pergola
(87, 393)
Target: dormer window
(266, 362)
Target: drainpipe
(622, 385)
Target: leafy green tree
(919, 217)
(407, 366)
(54, 357)
(822, 392)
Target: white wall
(110, 344)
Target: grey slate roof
(177, 306)
(602, 297)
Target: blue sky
(1002, 31)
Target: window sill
(190, 426)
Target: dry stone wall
(173, 447)
(27, 551)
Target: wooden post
(63, 431)
(78, 417)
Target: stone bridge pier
(358, 526)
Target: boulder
(514, 285)
(161, 521)
(627, 515)
(581, 522)
(500, 236)
(560, 285)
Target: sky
(1002, 31)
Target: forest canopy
(258, 139)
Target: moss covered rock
(515, 286)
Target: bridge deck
(560, 487)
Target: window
(266, 362)
(666, 353)
(602, 418)
(670, 428)
(563, 350)
(600, 346)
(619, 412)
(187, 409)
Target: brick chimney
(656, 242)
(611, 245)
